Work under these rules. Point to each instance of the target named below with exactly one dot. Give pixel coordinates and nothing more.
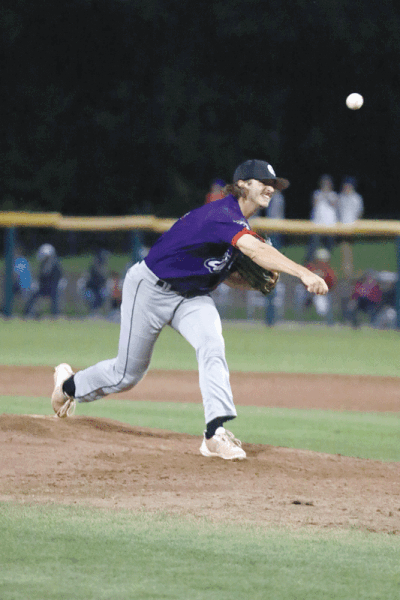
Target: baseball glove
(257, 277)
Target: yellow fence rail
(10, 221)
(151, 223)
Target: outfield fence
(362, 255)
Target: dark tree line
(121, 106)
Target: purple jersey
(198, 252)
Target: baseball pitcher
(171, 286)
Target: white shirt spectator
(350, 204)
(324, 207)
(276, 208)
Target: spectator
(276, 210)
(95, 280)
(114, 293)
(22, 278)
(216, 191)
(366, 298)
(350, 209)
(320, 266)
(350, 203)
(49, 279)
(323, 212)
(114, 286)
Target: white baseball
(354, 101)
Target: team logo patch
(216, 265)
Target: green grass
(55, 553)
(363, 435)
(310, 349)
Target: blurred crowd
(354, 297)
(42, 289)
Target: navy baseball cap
(259, 169)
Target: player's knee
(129, 380)
(214, 348)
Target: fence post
(9, 260)
(270, 309)
(398, 283)
(136, 246)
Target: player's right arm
(270, 258)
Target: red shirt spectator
(367, 287)
(216, 191)
(325, 271)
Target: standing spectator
(49, 278)
(350, 209)
(276, 210)
(22, 279)
(350, 203)
(216, 191)
(323, 212)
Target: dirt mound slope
(100, 462)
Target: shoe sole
(209, 454)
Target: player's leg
(198, 321)
(140, 327)
(144, 312)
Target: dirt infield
(104, 463)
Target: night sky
(122, 106)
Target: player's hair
(235, 190)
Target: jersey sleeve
(237, 237)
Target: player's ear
(241, 183)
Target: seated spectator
(49, 280)
(94, 284)
(366, 298)
(114, 291)
(322, 304)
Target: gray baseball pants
(146, 308)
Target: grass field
(52, 552)
(293, 349)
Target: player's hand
(314, 284)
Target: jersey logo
(216, 265)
